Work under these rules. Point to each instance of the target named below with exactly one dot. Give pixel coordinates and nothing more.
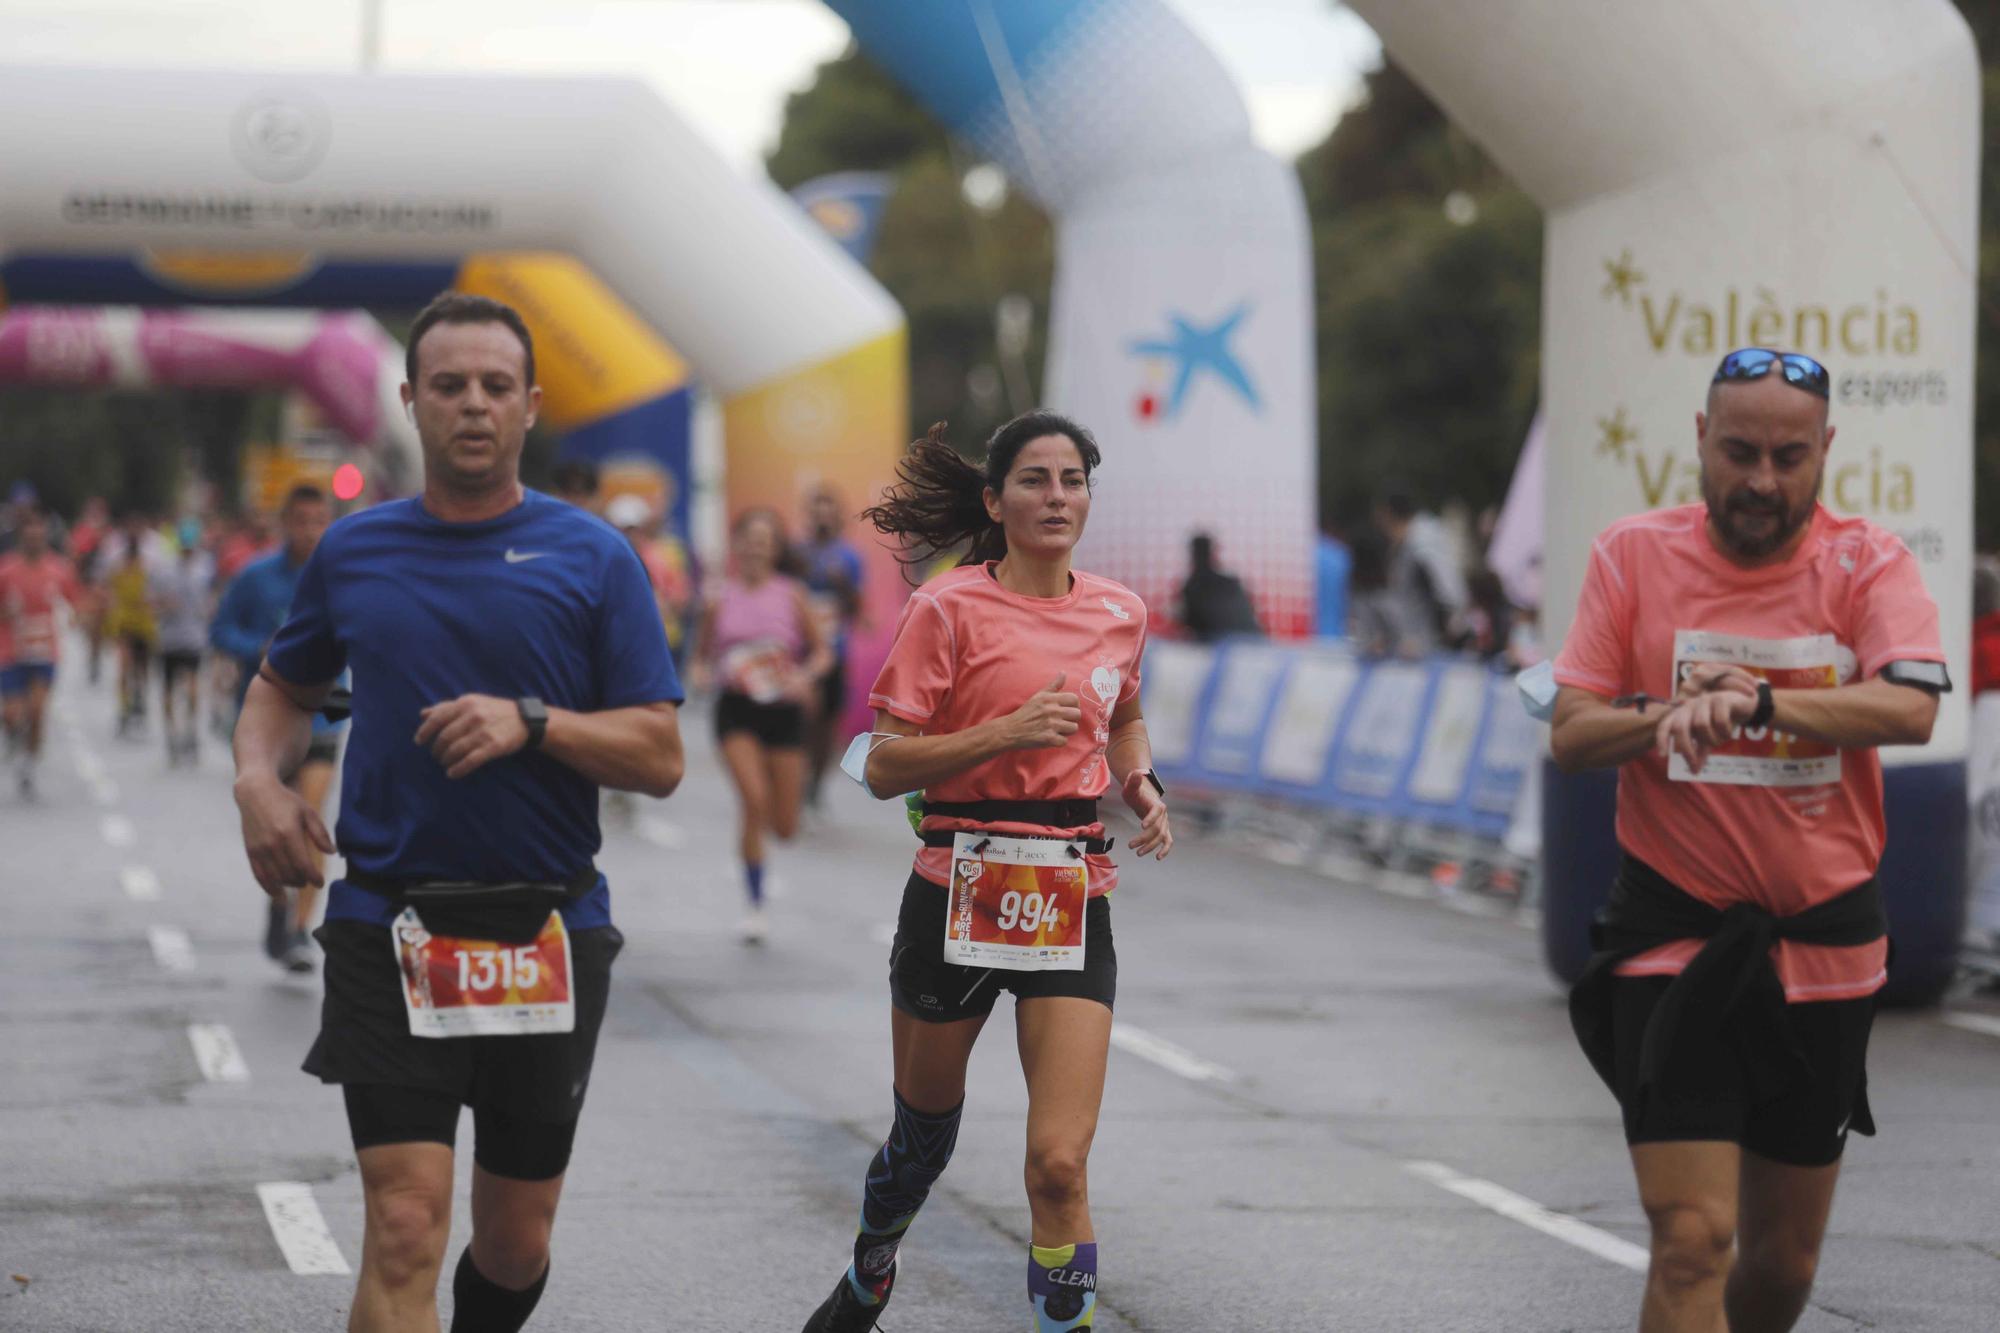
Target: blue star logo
(1195, 348)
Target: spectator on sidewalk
(1213, 603)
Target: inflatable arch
(273, 188)
(1801, 174)
(345, 363)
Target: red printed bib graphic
(1016, 903)
(456, 987)
(1765, 756)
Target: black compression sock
(481, 1305)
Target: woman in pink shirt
(759, 640)
(1011, 699)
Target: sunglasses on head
(1754, 363)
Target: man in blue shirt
(833, 577)
(252, 608)
(507, 662)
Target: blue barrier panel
(1308, 722)
(1249, 677)
(1175, 683)
(1453, 723)
(1379, 748)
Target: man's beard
(1729, 513)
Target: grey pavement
(1305, 1040)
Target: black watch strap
(1766, 705)
(535, 716)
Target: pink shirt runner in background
(967, 651)
(1774, 820)
(29, 593)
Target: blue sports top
(544, 600)
(253, 606)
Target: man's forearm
(1590, 733)
(627, 749)
(1854, 717)
(272, 734)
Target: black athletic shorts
(527, 1088)
(175, 663)
(1807, 1126)
(324, 749)
(924, 986)
(780, 726)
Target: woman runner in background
(760, 641)
(1011, 697)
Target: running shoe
(756, 927)
(298, 955)
(845, 1312)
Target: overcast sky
(725, 64)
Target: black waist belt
(1729, 987)
(1048, 814)
(512, 912)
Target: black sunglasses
(1754, 363)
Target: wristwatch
(1766, 705)
(535, 714)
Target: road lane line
(172, 949)
(1529, 1213)
(117, 830)
(140, 883)
(300, 1229)
(1172, 1058)
(215, 1050)
(1974, 1023)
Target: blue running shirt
(544, 600)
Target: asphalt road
(1329, 1107)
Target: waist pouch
(510, 913)
(1049, 814)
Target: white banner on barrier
(1453, 727)
(1300, 740)
(1175, 674)
(1250, 674)
(1386, 721)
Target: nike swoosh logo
(515, 557)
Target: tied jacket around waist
(1729, 991)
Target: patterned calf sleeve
(1062, 1286)
(899, 1180)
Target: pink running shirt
(29, 591)
(1775, 820)
(967, 651)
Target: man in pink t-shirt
(1739, 661)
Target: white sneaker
(756, 926)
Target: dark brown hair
(938, 503)
(462, 308)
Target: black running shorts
(1807, 1126)
(537, 1081)
(780, 726)
(176, 663)
(924, 986)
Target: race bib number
(1765, 756)
(1016, 903)
(456, 987)
(760, 671)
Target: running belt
(1079, 813)
(511, 913)
(1730, 985)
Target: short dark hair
(464, 308)
(303, 493)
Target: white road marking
(1974, 1023)
(117, 830)
(663, 833)
(140, 883)
(215, 1050)
(300, 1229)
(172, 949)
(1529, 1213)
(1172, 1058)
